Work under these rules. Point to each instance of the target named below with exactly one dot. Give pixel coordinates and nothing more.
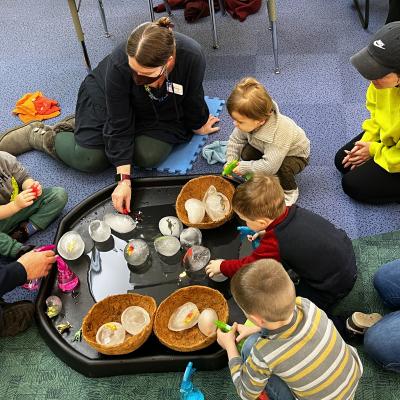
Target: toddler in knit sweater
(264, 140)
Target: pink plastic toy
(67, 280)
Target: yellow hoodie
(383, 127)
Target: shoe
(65, 125)
(359, 322)
(43, 139)
(20, 233)
(17, 317)
(16, 140)
(291, 196)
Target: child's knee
(58, 196)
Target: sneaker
(359, 322)
(17, 317)
(20, 233)
(291, 196)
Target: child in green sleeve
(25, 207)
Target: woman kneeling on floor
(141, 100)
(371, 161)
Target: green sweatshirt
(383, 127)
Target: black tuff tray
(155, 197)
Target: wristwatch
(122, 177)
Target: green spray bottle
(226, 328)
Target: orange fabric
(36, 107)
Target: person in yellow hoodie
(370, 162)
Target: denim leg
(387, 283)
(382, 342)
(248, 344)
(276, 388)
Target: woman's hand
(208, 127)
(358, 155)
(121, 197)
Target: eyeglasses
(145, 79)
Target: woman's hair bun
(164, 22)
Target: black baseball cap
(382, 55)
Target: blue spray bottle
(187, 390)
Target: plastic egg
(206, 322)
(170, 226)
(134, 319)
(136, 252)
(70, 246)
(110, 334)
(195, 210)
(184, 317)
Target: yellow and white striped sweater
(308, 354)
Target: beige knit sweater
(278, 138)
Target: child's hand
(236, 170)
(24, 199)
(213, 268)
(37, 188)
(228, 339)
(257, 235)
(246, 331)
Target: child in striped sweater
(292, 350)
(264, 140)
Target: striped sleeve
(250, 377)
(270, 162)
(237, 141)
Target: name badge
(175, 88)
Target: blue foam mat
(182, 157)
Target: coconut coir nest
(110, 309)
(196, 189)
(189, 339)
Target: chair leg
(222, 6)
(271, 6)
(363, 18)
(167, 7)
(151, 10)
(103, 17)
(79, 33)
(214, 27)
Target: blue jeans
(276, 388)
(382, 341)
